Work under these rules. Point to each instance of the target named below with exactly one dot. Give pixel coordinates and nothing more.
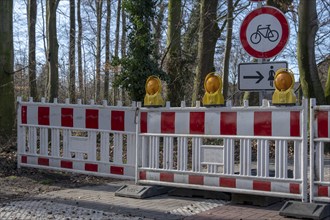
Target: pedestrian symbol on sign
(271, 76)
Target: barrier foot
(305, 210)
(141, 192)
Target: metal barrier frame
(148, 172)
(319, 187)
(71, 153)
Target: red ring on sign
(284, 38)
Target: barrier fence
(197, 147)
(319, 136)
(252, 150)
(90, 139)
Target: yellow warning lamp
(153, 96)
(284, 82)
(213, 87)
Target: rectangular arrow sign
(258, 76)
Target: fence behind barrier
(320, 165)
(90, 139)
(226, 149)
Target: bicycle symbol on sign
(265, 32)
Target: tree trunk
(173, 63)
(308, 26)
(327, 88)
(7, 96)
(228, 48)
(107, 52)
(32, 16)
(52, 49)
(79, 45)
(123, 46)
(72, 53)
(208, 36)
(158, 28)
(98, 49)
(115, 90)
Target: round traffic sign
(264, 32)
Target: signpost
(264, 32)
(258, 76)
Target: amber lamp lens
(212, 84)
(283, 81)
(152, 86)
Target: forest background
(105, 50)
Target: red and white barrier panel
(240, 123)
(323, 191)
(288, 188)
(322, 124)
(88, 167)
(78, 117)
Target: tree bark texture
(175, 91)
(79, 45)
(72, 53)
(228, 47)
(107, 52)
(115, 90)
(32, 16)
(7, 96)
(98, 49)
(308, 26)
(208, 36)
(52, 44)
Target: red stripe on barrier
(168, 122)
(24, 114)
(117, 170)
(227, 182)
(92, 118)
(143, 175)
(263, 123)
(43, 161)
(118, 120)
(228, 123)
(67, 117)
(66, 164)
(166, 177)
(261, 185)
(295, 124)
(43, 115)
(323, 191)
(144, 122)
(197, 180)
(91, 167)
(322, 124)
(197, 121)
(294, 188)
(24, 159)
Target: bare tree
(173, 59)
(107, 52)
(308, 26)
(98, 49)
(72, 53)
(52, 49)
(32, 16)
(230, 7)
(7, 97)
(208, 36)
(79, 46)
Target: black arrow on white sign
(259, 77)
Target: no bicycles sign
(264, 32)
